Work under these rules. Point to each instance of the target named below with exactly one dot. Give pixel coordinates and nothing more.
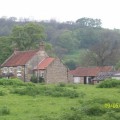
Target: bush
(41, 80)
(2, 93)
(94, 109)
(70, 94)
(63, 92)
(34, 79)
(74, 86)
(47, 91)
(61, 84)
(97, 100)
(109, 83)
(29, 90)
(11, 82)
(4, 110)
(29, 84)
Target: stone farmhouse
(25, 64)
(87, 75)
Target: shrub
(47, 91)
(34, 79)
(61, 84)
(4, 110)
(29, 90)
(11, 82)
(71, 94)
(20, 91)
(41, 80)
(74, 86)
(109, 83)
(2, 93)
(64, 92)
(81, 94)
(94, 109)
(29, 84)
(97, 100)
(96, 106)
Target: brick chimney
(15, 50)
(42, 46)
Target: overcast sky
(64, 10)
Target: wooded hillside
(80, 43)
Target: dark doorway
(89, 80)
(85, 80)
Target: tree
(5, 48)
(89, 22)
(88, 36)
(27, 36)
(67, 41)
(106, 51)
(71, 64)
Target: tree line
(100, 45)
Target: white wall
(76, 79)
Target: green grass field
(57, 104)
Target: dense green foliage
(14, 82)
(32, 90)
(28, 36)
(53, 102)
(5, 81)
(101, 46)
(109, 83)
(5, 48)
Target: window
(19, 75)
(11, 69)
(19, 69)
(5, 70)
(42, 74)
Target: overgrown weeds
(14, 82)
(46, 91)
(4, 110)
(2, 93)
(91, 109)
(109, 83)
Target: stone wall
(17, 71)
(56, 72)
(70, 78)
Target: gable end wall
(56, 72)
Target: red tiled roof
(19, 58)
(90, 71)
(45, 63)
